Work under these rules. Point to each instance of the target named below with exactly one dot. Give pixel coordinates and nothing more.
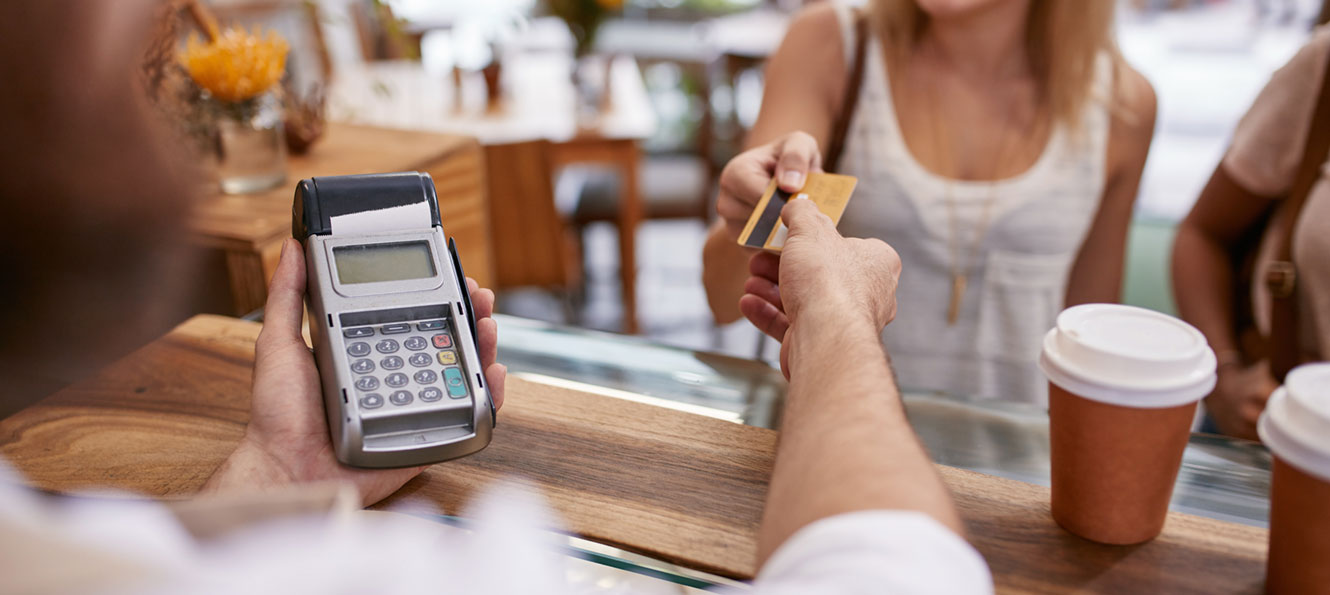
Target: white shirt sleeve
(876, 551)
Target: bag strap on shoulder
(1281, 276)
(851, 98)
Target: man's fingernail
(792, 179)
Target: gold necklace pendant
(960, 264)
(958, 282)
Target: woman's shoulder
(1267, 143)
(817, 24)
(1307, 67)
(1132, 111)
(813, 54)
(1134, 99)
(1314, 52)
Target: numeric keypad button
(367, 383)
(362, 366)
(415, 343)
(392, 362)
(397, 380)
(387, 346)
(401, 397)
(420, 360)
(430, 394)
(426, 376)
(371, 401)
(358, 349)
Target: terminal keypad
(435, 371)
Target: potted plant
(238, 74)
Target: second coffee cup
(1123, 387)
(1296, 428)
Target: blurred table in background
(539, 105)
(249, 228)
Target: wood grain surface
(680, 487)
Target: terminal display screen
(374, 263)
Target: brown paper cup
(1114, 466)
(1299, 559)
(1123, 387)
(1296, 427)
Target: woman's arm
(1259, 167)
(1202, 285)
(1096, 275)
(805, 80)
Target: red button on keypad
(443, 341)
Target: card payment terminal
(394, 334)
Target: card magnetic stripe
(769, 219)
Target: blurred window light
(439, 11)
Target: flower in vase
(236, 66)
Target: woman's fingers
(798, 155)
(746, 176)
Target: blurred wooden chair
(676, 185)
(532, 245)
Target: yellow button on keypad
(447, 357)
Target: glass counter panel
(1221, 478)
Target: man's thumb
(803, 217)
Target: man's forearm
(845, 444)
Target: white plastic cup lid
(1296, 422)
(1128, 356)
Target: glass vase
(591, 88)
(251, 145)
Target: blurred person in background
(998, 144)
(1227, 247)
(93, 195)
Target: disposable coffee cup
(1123, 387)
(1296, 428)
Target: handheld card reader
(391, 319)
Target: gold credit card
(831, 192)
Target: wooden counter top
(679, 487)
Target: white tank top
(1017, 285)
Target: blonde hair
(1064, 39)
